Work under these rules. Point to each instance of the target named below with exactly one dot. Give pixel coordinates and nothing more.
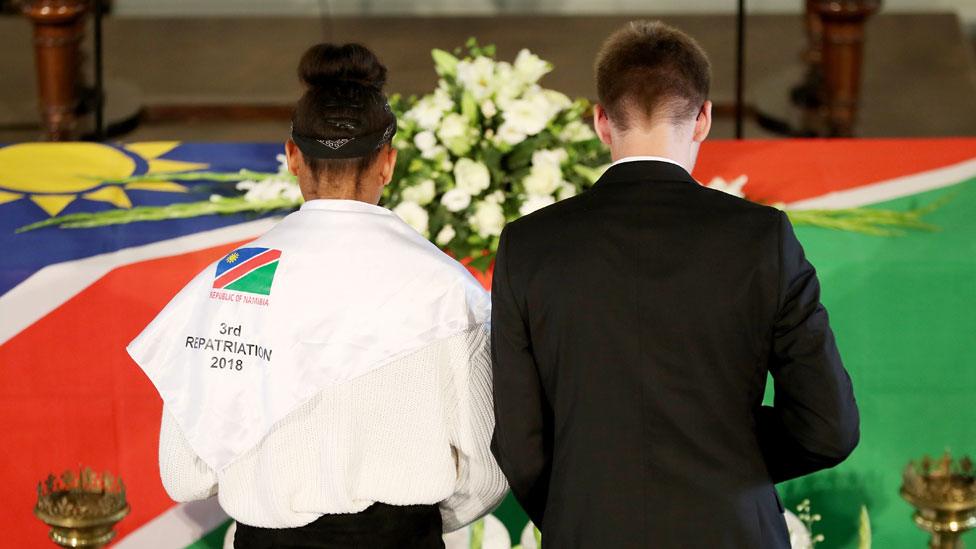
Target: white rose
(507, 86)
(529, 67)
(557, 100)
(442, 98)
(476, 76)
(456, 133)
(528, 117)
(549, 157)
(282, 163)
(422, 193)
(427, 113)
(246, 185)
(496, 197)
(799, 534)
(576, 131)
(534, 203)
(549, 102)
(470, 176)
(488, 108)
(566, 190)
(425, 141)
(488, 219)
(733, 187)
(270, 189)
(454, 125)
(413, 214)
(508, 133)
(543, 180)
(434, 152)
(456, 200)
(446, 235)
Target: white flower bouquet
(487, 146)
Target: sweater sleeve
(480, 483)
(185, 476)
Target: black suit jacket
(633, 327)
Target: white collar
(645, 158)
(339, 205)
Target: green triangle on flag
(257, 281)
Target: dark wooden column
(809, 95)
(814, 27)
(58, 31)
(841, 48)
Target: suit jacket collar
(644, 170)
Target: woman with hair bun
(330, 381)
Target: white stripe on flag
(50, 287)
(890, 189)
(178, 527)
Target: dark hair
(653, 69)
(343, 99)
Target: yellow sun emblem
(53, 175)
(232, 257)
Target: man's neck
(661, 140)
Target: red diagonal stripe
(246, 267)
(788, 170)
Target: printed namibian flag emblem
(248, 270)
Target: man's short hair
(648, 68)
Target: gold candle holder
(943, 493)
(81, 508)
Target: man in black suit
(633, 327)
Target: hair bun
(327, 64)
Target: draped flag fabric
(903, 308)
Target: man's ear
(294, 156)
(703, 123)
(601, 123)
(389, 165)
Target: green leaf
(241, 175)
(864, 530)
(469, 108)
(482, 263)
(181, 210)
(591, 174)
(444, 63)
(416, 165)
(876, 222)
(493, 245)
(477, 534)
(521, 155)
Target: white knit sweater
(416, 431)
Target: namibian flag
(903, 310)
(249, 270)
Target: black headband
(345, 147)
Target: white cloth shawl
(334, 291)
